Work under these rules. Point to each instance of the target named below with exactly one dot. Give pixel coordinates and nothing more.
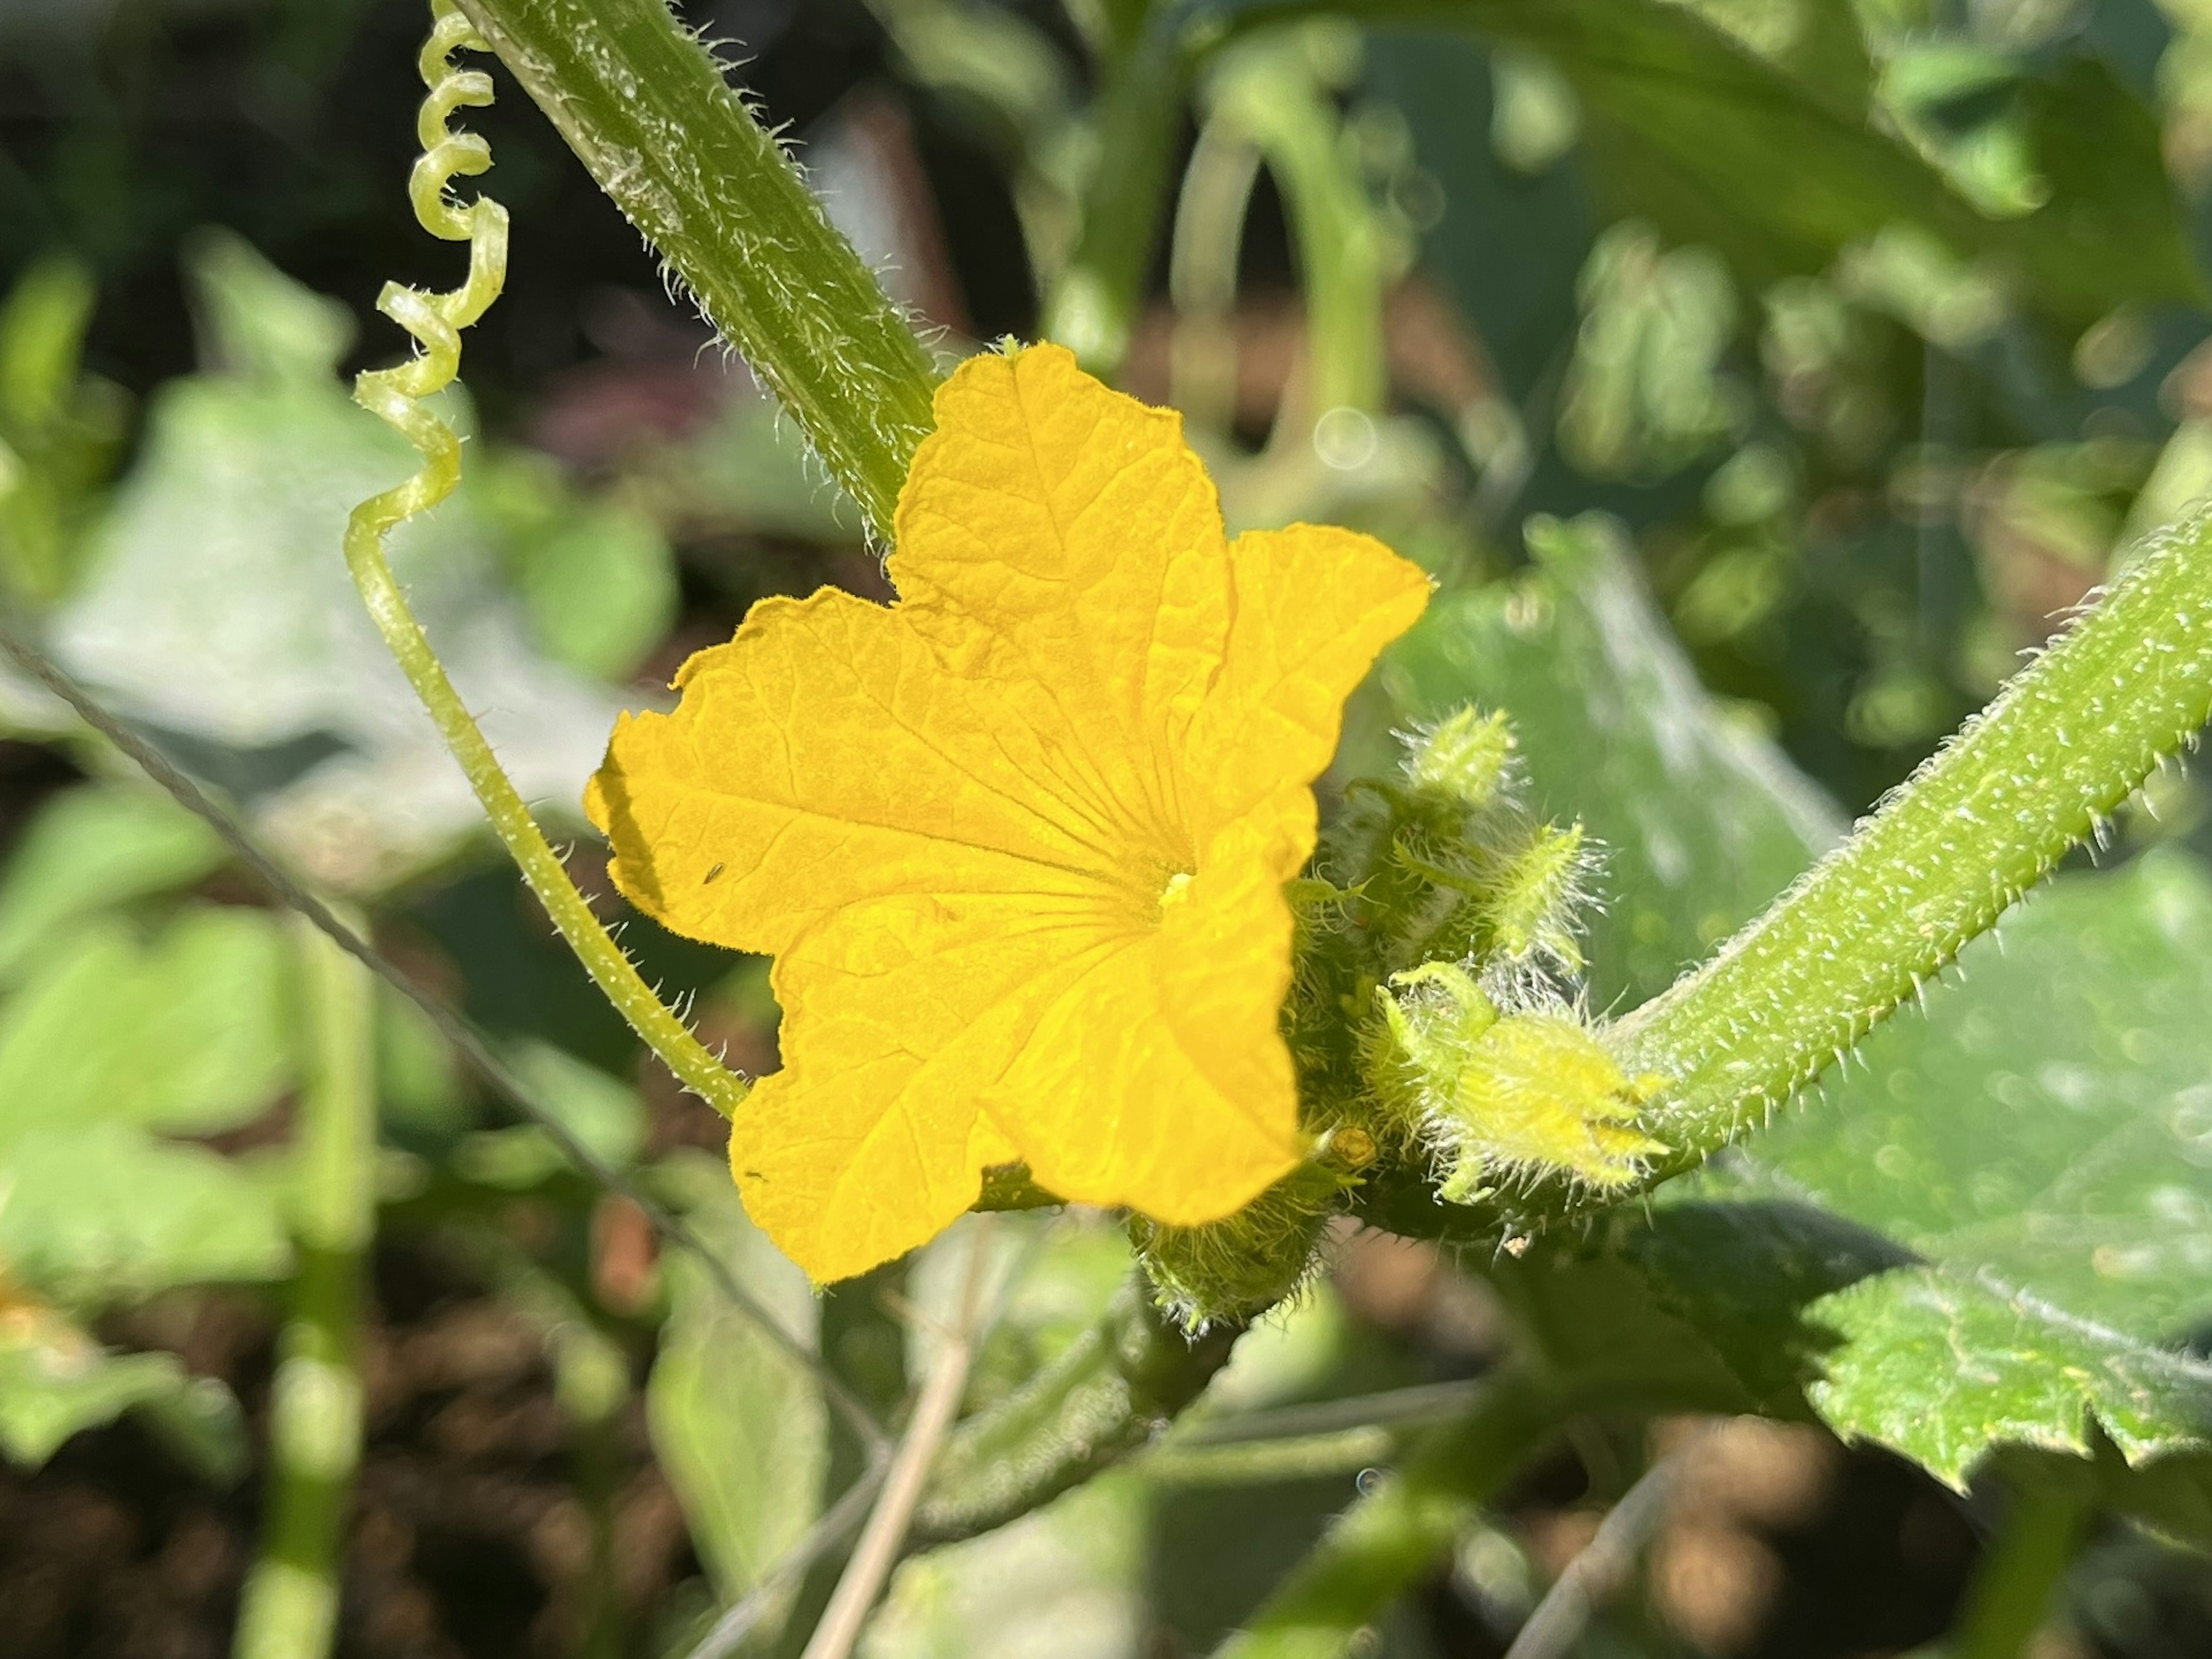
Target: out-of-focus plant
(59, 429)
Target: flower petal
(1314, 606)
(1059, 541)
(821, 757)
(1160, 1079)
(899, 1014)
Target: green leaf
(219, 614)
(92, 847)
(597, 577)
(191, 1032)
(1941, 1366)
(1069, 1580)
(106, 1213)
(56, 1382)
(256, 323)
(1779, 1308)
(42, 328)
(1778, 158)
(1702, 821)
(599, 1110)
(738, 1424)
(2050, 1119)
(1696, 1306)
(59, 429)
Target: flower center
(1177, 890)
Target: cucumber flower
(1017, 841)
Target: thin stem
(739, 1621)
(2063, 745)
(1258, 1463)
(1207, 241)
(1596, 1574)
(570, 912)
(877, 1550)
(290, 1602)
(863, 1341)
(2011, 1590)
(1274, 90)
(1092, 307)
(1381, 1545)
(646, 107)
(1102, 1400)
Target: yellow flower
(1018, 840)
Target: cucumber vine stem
(644, 104)
(2064, 744)
(395, 396)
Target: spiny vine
(397, 396)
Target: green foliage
(186, 1033)
(740, 1428)
(59, 429)
(90, 849)
(597, 578)
(55, 1381)
(1862, 367)
(1776, 154)
(1776, 1308)
(2032, 1376)
(104, 1213)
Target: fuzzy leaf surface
(2048, 1120)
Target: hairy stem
(646, 108)
(289, 1606)
(2064, 742)
(1382, 1545)
(1104, 1399)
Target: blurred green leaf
(739, 1426)
(42, 328)
(56, 1382)
(601, 1111)
(597, 579)
(91, 848)
(104, 1213)
(1644, 394)
(59, 429)
(1073, 1574)
(189, 1032)
(1763, 140)
(1052, 1275)
(1779, 1308)
(256, 323)
(1702, 820)
(219, 613)
(2048, 1120)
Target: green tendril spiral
(396, 396)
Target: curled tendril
(397, 396)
